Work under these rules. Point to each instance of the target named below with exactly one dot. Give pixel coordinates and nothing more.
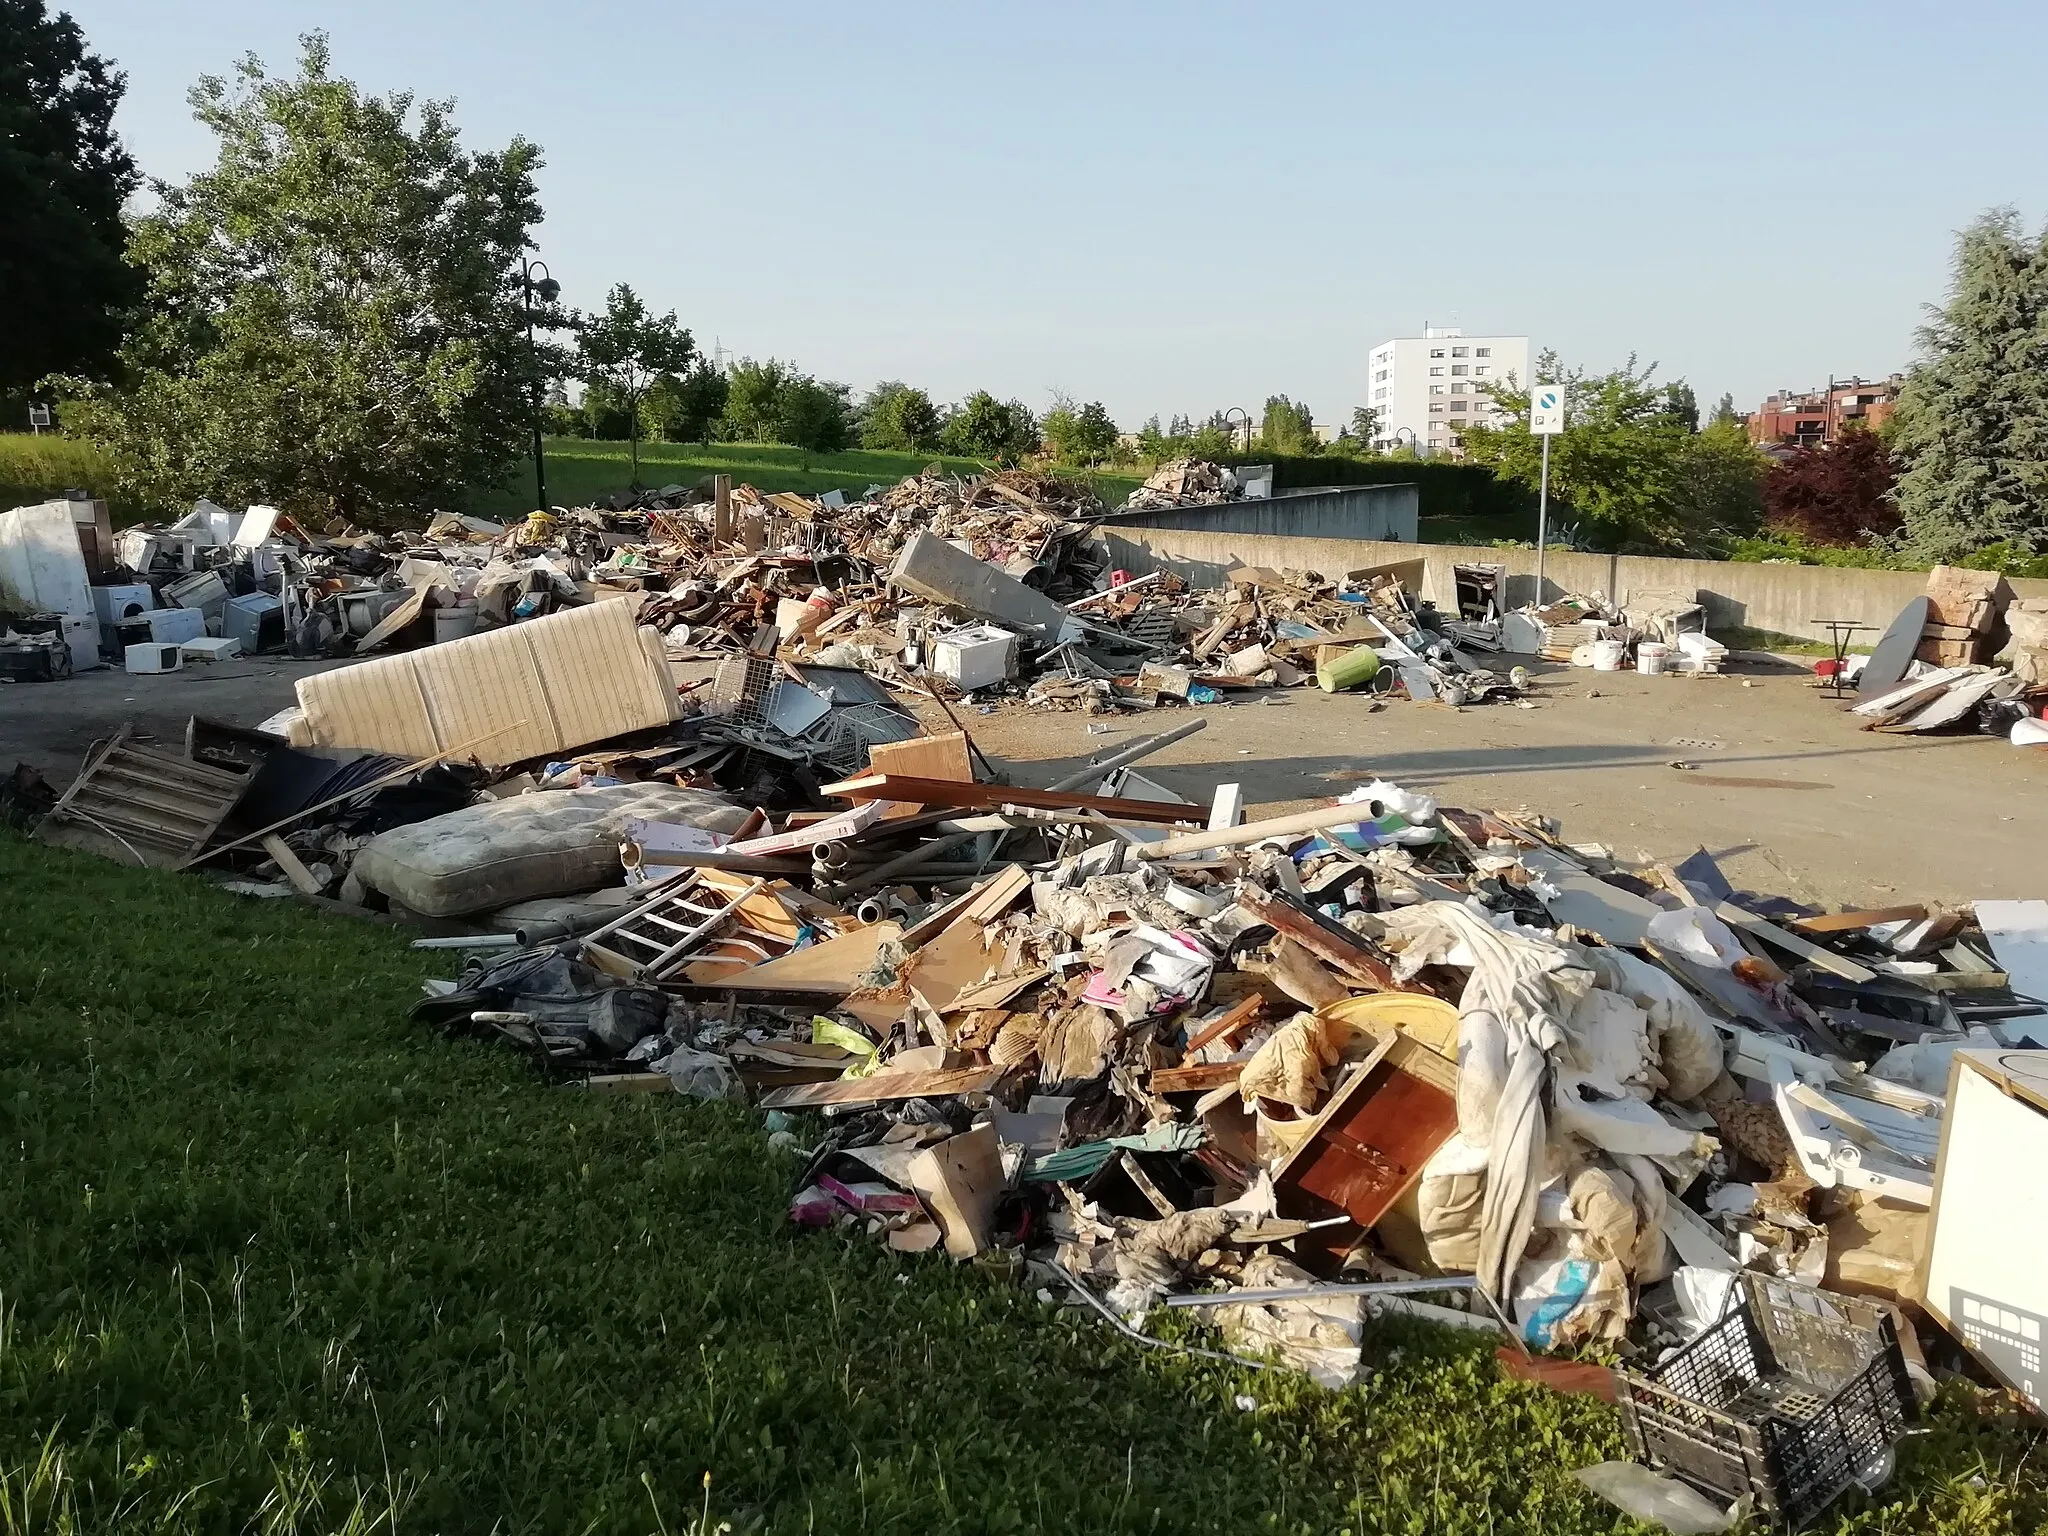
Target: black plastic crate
(1777, 1399)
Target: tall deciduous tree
(1627, 463)
(627, 348)
(1837, 493)
(988, 428)
(63, 179)
(898, 416)
(1078, 434)
(1288, 427)
(334, 321)
(1973, 417)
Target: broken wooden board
(885, 1086)
(1328, 941)
(1850, 922)
(1771, 933)
(829, 969)
(987, 797)
(1370, 1141)
(1200, 1078)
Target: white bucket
(1650, 657)
(1607, 655)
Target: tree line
(338, 317)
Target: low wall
(1784, 599)
(1346, 512)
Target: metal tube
(883, 872)
(1543, 517)
(1312, 1292)
(1256, 831)
(1130, 754)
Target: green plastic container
(1354, 669)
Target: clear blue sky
(1177, 207)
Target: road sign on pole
(1546, 420)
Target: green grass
(39, 467)
(278, 1260)
(581, 470)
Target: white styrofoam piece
(255, 526)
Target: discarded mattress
(538, 689)
(547, 844)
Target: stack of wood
(1963, 608)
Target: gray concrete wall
(1785, 599)
(1389, 512)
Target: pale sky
(1183, 207)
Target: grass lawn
(580, 469)
(279, 1260)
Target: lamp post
(1414, 442)
(1238, 410)
(547, 290)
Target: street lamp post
(1413, 441)
(548, 290)
(1238, 410)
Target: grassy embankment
(279, 1260)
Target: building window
(1436, 406)
(1481, 370)
(1436, 351)
(1482, 351)
(1461, 351)
(1459, 389)
(1436, 389)
(1436, 373)
(1459, 370)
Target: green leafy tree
(1682, 405)
(63, 179)
(607, 414)
(753, 410)
(680, 407)
(1627, 464)
(625, 348)
(1972, 423)
(984, 427)
(1288, 428)
(1365, 424)
(333, 321)
(1725, 414)
(814, 416)
(1078, 434)
(895, 416)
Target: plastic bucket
(1651, 656)
(1354, 669)
(1607, 655)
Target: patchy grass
(279, 1260)
(581, 469)
(42, 466)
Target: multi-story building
(1426, 388)
(1804, 420)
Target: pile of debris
(1931, 669)
(1185, 483)
(1655, 633)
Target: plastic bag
(1655, 1499)
(1570, 1301)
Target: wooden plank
(628, 1082)
(1199, 1078)
(1848, 922)
(922, 757)
(1771, 933)
(1336, 946)
(1246, 1010)
(288, 862)
(828, 968)
(885, 1086)
(1368, 1144)
(988, 797)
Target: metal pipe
(472, 941)
(697, 931)
(884, 872)
(1313, 1292)
(1130, 754)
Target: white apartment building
(1424, 388)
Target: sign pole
(1546, 420)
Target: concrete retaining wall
(1325, 512)
(1784, 599)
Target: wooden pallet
(142, 806)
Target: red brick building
(1819, 416)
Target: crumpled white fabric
(1687, 1047)
(1529, 986)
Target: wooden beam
(1199, 1078)
(886, 1085)
(1247, 1009)
(288, 863)
(1848, 922)
(1327, 941)
(1771, 933)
